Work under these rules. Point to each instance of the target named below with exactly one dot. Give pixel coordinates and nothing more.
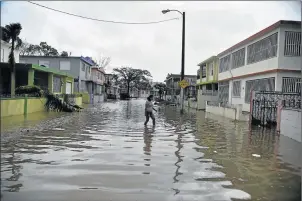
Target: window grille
(266, 84)
(237, 88)
(263, 49)
(204, 71)
(224, 64)
(211, 69)
(198, 74)
(238, 58)
(292, 46)
(223, 92)
(291, 84)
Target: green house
(207, 74)
(55, 81)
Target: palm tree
(10, 34)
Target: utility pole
(182, 73)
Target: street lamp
(182, 74)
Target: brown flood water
(106, 154)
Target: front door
(68, 88)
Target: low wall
(22, 105)
(290, 124)
(234, 113)
(25, 105)
(11, 107)
(96, 99)
(202, 99)
(190, 103)
(85, 98)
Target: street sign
(183, 84)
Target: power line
(109, 21)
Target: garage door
(68, 87)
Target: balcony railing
(209, 92)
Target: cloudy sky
(211, 27)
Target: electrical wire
(108, 21)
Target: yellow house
(207, 75)
(57, 82)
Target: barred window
(237, 88)
(198, 74)
(224, 64)
(266, 84)
(263, 49)
(291, 84)
(292, 46)
(223, 92)
(56, 84)
(204, 71)
(238, 58)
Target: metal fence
(265, 105)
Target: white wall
(5, 50)
(287, 62)
(241, 99)
(202, 99)
(290, 124)
(260, 66)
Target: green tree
(10, 34)
(64, 54)
(130, 77)
(161, 88)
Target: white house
(5, 50)
(268, 61)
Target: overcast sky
(211, 27)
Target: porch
(28, 75)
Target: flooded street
(106, 154)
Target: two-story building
(112, 89)
(269, 60)
(207, 81)
(78, 67)
(173, 88)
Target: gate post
(279, 108)
(252, 96)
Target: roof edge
(260, 34)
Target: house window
(44, 63)
(203, 71)
(266, 84)
(64, 65)
(224, 64)
(83, 67)
(2, 55)
(291, 84)
(198, 74)
(238, 58)
(223, 92)
(263, 49)
(292, 46)
(211, 68)
(56, 84)
(236, 88)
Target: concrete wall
(20, 106)
(290, 124)
(11, 107)
(96, 99)
(202, 99)
(234, 113)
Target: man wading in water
(149, 110)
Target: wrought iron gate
(265, 104)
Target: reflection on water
(107, 153)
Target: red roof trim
(259, 34)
